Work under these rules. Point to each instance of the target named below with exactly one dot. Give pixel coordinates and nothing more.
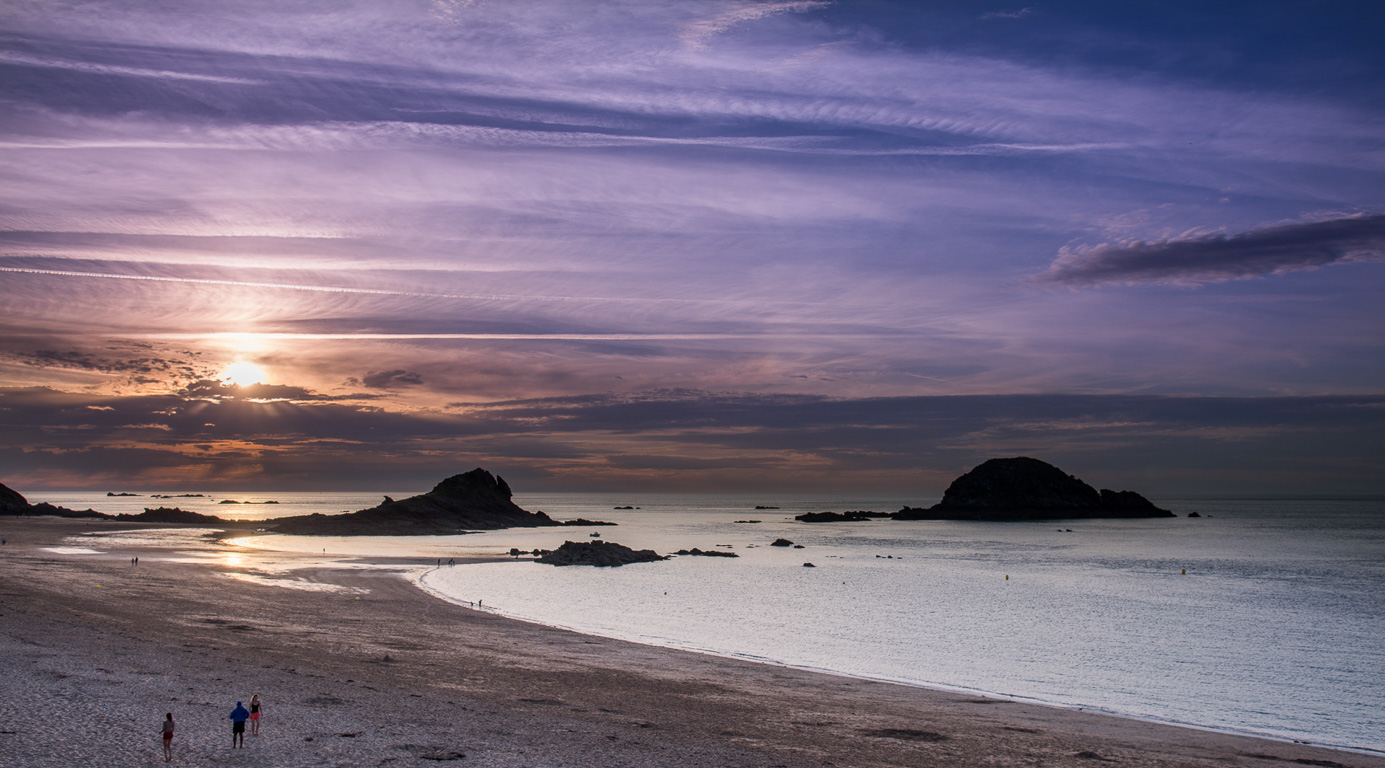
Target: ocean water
(1264, 617)
(1260, 617)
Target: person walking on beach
(168, 737)
(255, 715)
(238, 717)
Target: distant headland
(473, 501)
(12, 502)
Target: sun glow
(243, 373)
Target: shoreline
(939, 687)
(391, 673)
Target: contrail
(501, 336)
(341, 289)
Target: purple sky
(691, 245)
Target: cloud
(1218, 258)
(1021, 13)
(211, 389)
(388, 379)
(698, 33)
(681, 439)
(137, 360)
(541, 198)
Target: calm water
(1277, 627)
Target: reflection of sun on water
(243, 373)
(233, 560)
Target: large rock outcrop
(1022, 488)
(475, 501)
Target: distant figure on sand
(168, 737)
(238, 717)
(255, 715)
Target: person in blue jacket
(238, 717)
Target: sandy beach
(358, 667)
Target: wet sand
(357, 667)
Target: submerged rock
(1022, 488)
(602, 554)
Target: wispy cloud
(699, 32)
(8, 57)
(1021, 13)
(1203, 259)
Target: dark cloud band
(1217, 258)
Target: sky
(691, 245)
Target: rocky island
(475, 501)
(602, 554)
(1022, 488)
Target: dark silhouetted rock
(809, 565)
(44, 508)
(111, 493)
(169, 515)
(475, 501)
(13, 503)
(1028, 489)
(582, 521)
(1130, 504)
(758, 506)
(853, 516)
(602, 554)
(781, 543)
(705, 553)
(1194, 514)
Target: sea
(1256, 616)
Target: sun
(243, 374)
